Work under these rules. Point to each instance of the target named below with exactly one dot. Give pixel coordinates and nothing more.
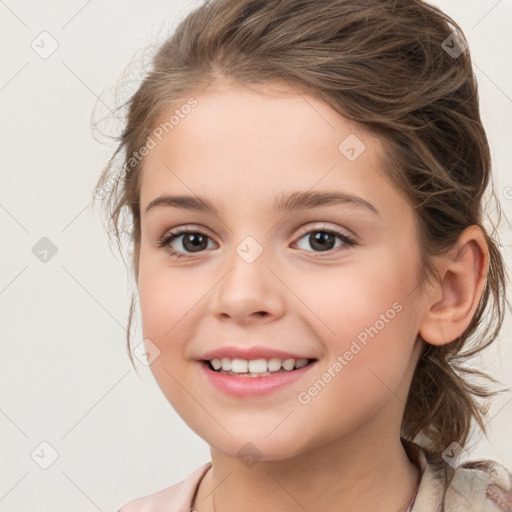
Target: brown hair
(391, 65)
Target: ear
(452, 301)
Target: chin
(251, 449)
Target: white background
(65, 376)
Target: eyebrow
(283, 203)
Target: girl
(303, 181)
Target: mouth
(244, 379)
(255, 368)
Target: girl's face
(288, 280)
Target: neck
(344, 475)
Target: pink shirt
(468, 488)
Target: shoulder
(484, 485)
(176, 498)
(473, 486)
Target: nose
(248, 292)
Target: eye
(194, 241)
(323, 239)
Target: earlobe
(463, 274)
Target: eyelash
(169, 237)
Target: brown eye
(323, 240)
(190, 240)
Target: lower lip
(253, 386)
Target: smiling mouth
(288, 369)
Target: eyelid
(349, 240)
(194, 228)
(186, 228)
(324, 226)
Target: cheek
(368, 356)
(165, 296)
(348, 301)
(164, 306)
(368, 320)
(155, 305)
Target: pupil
(323, 239)
(197, 242)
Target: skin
(341, 451)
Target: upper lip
(250, 353)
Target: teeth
(216, 363)
(274, 364)
(288, 364)
(256, 366)
(238, 366)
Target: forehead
(246, 120)
(242, 143)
